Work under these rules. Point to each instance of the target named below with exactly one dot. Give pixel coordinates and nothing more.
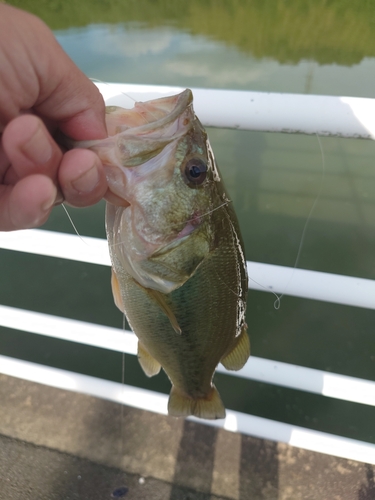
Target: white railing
(264, 370)
(265, 112)
(349, 117)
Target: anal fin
(149, 364)
(116, 292)
(210, 407)
(236, 359)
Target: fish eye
(195, 171)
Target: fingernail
(59, 198)
(38, 149)
(87, 181)
(48, 204)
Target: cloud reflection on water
(166, 55)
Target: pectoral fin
(116, 292)
(159, 298)
(149, 364)
(210, 407)
(236, 359)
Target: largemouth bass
(179, 269)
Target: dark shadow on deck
(367, 491)
(195, 460)
(259, 469)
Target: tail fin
(210, 407)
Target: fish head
(163, 178)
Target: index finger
(38, 75)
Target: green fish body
(179, 269)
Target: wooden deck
(60, 445)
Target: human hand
(42, 91)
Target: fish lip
(183, 101)
(182, 236)
(165, 248)
(190, 226)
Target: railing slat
(263, 370)
(346, 290)
(263, 111)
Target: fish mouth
(173, 109)
(191, 224)
(188, 229)
(182, 236)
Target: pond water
(318, 48)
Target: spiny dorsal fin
(149, 364)
(236, 359)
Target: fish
(178, 260)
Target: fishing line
(72, 223)
(106, 83)
(112, 245)
(210, 211)
(267, 290)
(122, 420)
(277, 304)
(130, 97)
(122, 490)
(123, 392)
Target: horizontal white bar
(70, 381)
(328, 384)
(336, 288)
(263, 370)
(150, 401)
(101, 336)
(263, 111)
(54, 244)
(345, 290)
